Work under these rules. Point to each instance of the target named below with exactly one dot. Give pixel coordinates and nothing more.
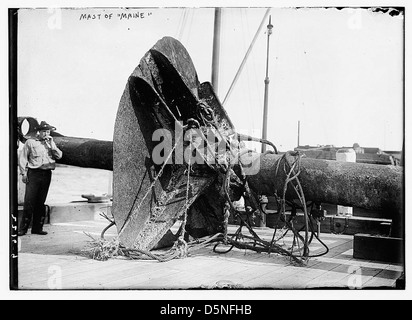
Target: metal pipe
(80, 152)
(83, 152)
(362, 185)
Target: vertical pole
(298, 133)
(216, 49)
(265, 106)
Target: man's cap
(44, 126)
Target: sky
(338, 72)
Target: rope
(226, 215)
(111, 224)
(99, 249)
(292, 172)
(256, 243)
(103, 250)
(181, 243)
(209, 118)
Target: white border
(7, 294)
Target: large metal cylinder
(83, 152)
(368, 186)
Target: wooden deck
(54, 262)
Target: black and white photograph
(175, 150)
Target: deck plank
(41, 258)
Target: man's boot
(24, 226)
(37, 227)
(41, 232)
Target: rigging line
(249, 98)
(256, 88)
(189, 168)
(182, 27)
(182, 33)
(191, 14)
(135, 208)
(246, 56)
(179, 24)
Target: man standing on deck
(36, 162)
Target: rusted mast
(368, 186)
